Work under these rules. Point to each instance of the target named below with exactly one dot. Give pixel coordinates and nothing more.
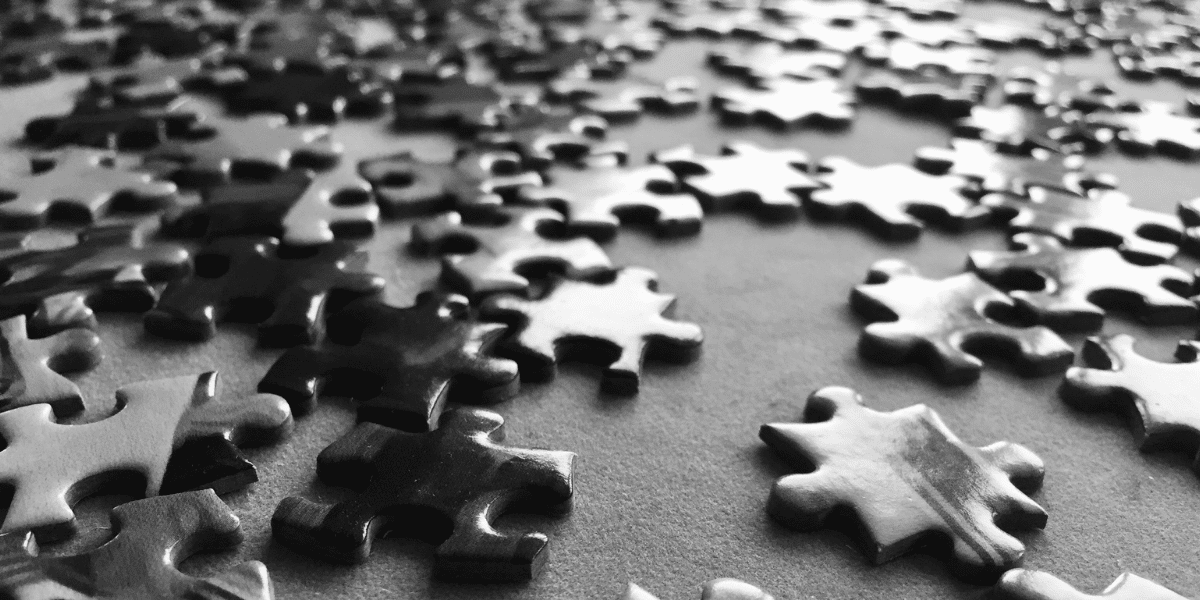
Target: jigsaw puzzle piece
(786, 103)
(924, 92)
(106, 127)
(1153, 126)
(1026, 584)
(1013, 171)
(542, 136)
(456, 104)
(407, 186)
(33, 369)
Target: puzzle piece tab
(1025, 584)
(456, 104)
(31, 371)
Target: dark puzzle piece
(1159, 395)
(459, 473)
(892, 200)
(32, 368)
(943, 322)
(107, 127)
(407, 186)
(768, 181)
(616, 322)
(771, 61)
(78, 185)
(37, 58)
(596, 198)
(1020, 128)
(1153, 126)
(309, 40)
(786, 103)
(403, 364)
(153, 536)
(717, 589)
(1070, 288)
(252, 279)
(1102, 218)
(487, 253)
(926, 92)
(67, 310)
(906, 476)
(305, 96)
(456, 105)
(543, 136)
(152, 433)
(1025, 584)
(1013, 171)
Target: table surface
(671, 484)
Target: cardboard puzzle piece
(32, 369)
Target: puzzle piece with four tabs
(618, 322)
(403, 364)
(78, 185)
(542, 136)
(1159, 396)
(907, 55)
(717, 589)
(459, 472)
(906, 476)
(1014, 171)
(787, 103)
(769, 181)
(1070, 288)
(942, 322)
(1101, 218)
(926, 92)
(892, 200)
(153, 536)
(487, 252)
(407, 186)
(1025, 584)
(286, 291)
(107, 127)
(173, 433)
(770, 61)
(32, 369)
(1153, 126)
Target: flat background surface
(671, 485)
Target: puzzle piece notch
(991, 170)
(786, 103)
(617, 322)
(724, 588)
(152, 537)
(1026, 584)
(406, 185)
(459, 472)
(1070, 288)
(403, 364)
(941, 323)
(33, 368)
(1189, 215)
(906, 476)
(52, 466)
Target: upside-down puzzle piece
(892, 200)
(542, 136)
(169, 431)
(31, 368)
(406, 186)
(402, 363)
(252, 279)
(942, 322)
(1014, 171)
(486, 253)
(595, 198)
(1153, 126)
(153, 536)
(766, 180)
(120, 127)
(925, 91)
(717, 589)
(1118, 379)
(906, 476)
(1101, 218)
(459, 472)
(1069, 288)
(1025, 584)
(78, 185)
(617, 322)
(787, 103)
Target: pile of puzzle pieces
(202, 174)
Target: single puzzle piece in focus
(542, 136)
(926, 92)
(943, 322)
(892, 200)
(770, 61)
(786, 103)
(717, 589)
(616, 322)
(1025, 584)
(1153, 126)
(910, 56)
(1101, 218)
(403, 364)
(153, 536)
(1166, 415)
(488, 252)
(287, 292)
(407, 186)
(32, 368)
(1013, 171)
(459, 472)
(1070, 288)
(78, 185)
(168, 431)
(767, 180)
(906, 476)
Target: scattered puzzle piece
(787, 103)
(1189, 216)
(1154, 126)
(152, 537)
(769, 61)
(617, 322)
(924, 92)
(717, 589)
(456, 104)
(542, 136)
(906, 476)
(941, 323)
(1014, 172)
(459, 472)
(106, 127)
(1025, 584)
(407, 186)
(907, 55)
(1020, 128)
(305, 96)
(31, 367)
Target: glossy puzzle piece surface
(1026, 584)
(402, 364)
(542, 136)
(1014, 172)
(456, 104)
(617, 322)
(892, 200)
(251, 279)
(940, 322)
(32, 369)
(486, 256)
(153, 536)
(52, 466)
(104, 127)
(459, 472)
(717, 589)
(770, 61)
(906, 476)
(408, 186)
(1070, 288)
(787, 103)
(1021, 128)
(1155, 126)
(924, 92)
(305, 96)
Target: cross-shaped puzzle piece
(787, 103)
(1024, 584)
(32, 369)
